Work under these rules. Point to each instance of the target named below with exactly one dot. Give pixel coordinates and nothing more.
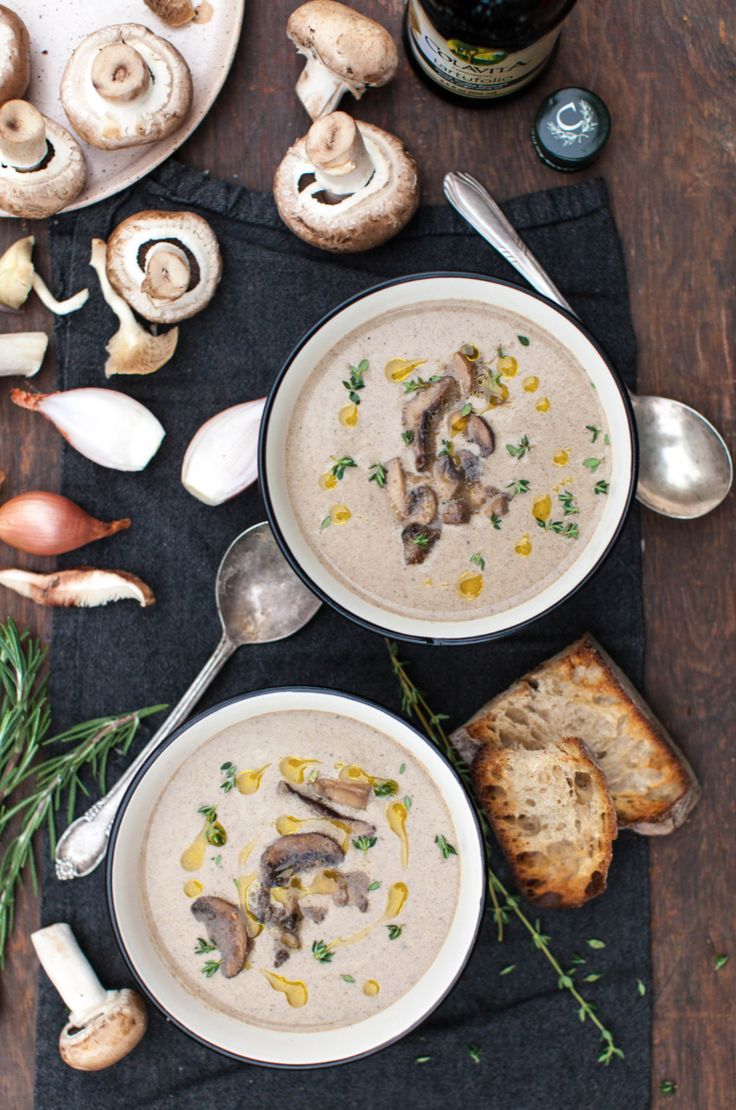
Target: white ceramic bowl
(239, 1039)
(421, 289)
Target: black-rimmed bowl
(218, 1030)
(422, 289)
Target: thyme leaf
(341, 465)
(521, 485)
(210, 967)
(445, 847)
(203, 946)
(379, 474)
(524, 340)
(364, 843)
(415, 384)
(322, 952)
(478, 559)
(407, 436)
(592, 464)
(230, 771)
(394, 931)
(601, 487)
(519, 450)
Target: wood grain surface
(668, 74)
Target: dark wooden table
(667, 72)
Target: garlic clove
(22, 352)
(42, 523)
(222, 457)
(132, 349)
(17, 278)
(106, 426)
(80, 587)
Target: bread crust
(585, 676)
(555, 881)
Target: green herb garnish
(341, 465)
(347, 978)
(447, 450)
(385, 789)
(570, 531)
(594, 432)
(407, 437)
(600, 487)
(519, 450)
(210, 967)
(322, 951)
(325, 523)
(640, 988)
(592, 977)
(215, 833)
(421, 540)
(520, 486)
(507, 970)
(208, 812)
(402, 768)
(524, 340)
(496, 521)
(567, 500)
(379, 474)
(407, 801)
(203, 946)
(466, 409)
(217, 860)
(394, 931)
(720, 961)
(445, 847)
(356, 380)
(416, 384)
(422, 1059)
(592, 464)
(230, 772)
(593, 943)
(478, 559)
(364, 843)
(668, 1087)
(474, 1052)
(374, 885)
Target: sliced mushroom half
(345, 52)
(166, 265)
(41, 165)
(319, 802)
(463, 371)
(125, 86)
(226, 930)
(418, 417)
(346, 186)
(418, 540)
(15, 55)
(296, 853)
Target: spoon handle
(476, 205)
(83, 844)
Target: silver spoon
(685, 468)
(259, 600)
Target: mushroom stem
(69, 970)
(339, 156)
(319, 90)
(167, 272)
(120, 74)
(22, 135)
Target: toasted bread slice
(552, 815)
(581, 692)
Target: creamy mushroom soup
(448, 459)
(300, 871)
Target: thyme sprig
(55, 782)
(356, 380)
(414, 703)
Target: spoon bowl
(259, 600)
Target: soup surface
(448, 460)
(299, 871)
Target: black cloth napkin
(534, 1050)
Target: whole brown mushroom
(15, 55)
(103, 1026)
(41, 165)
(345, 52)
(125, 86)
(346, 186)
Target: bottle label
(474, 71)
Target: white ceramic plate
(421, 289)
(57, 27)
(238, 1038)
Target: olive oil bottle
(480, 51)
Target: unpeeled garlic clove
(105, 426)
(222, 457)
(132, 349)
(42, 523)
(17, 278)
(80, 587)
(22, 352)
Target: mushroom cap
(109, 125)
(353, 47)
(225, 926)
(361, 220)
(107, 1034)
(37, 193)
(127, 249)
(15, 55)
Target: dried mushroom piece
(77, 587)
(166, 265)
(226, 930)
(345, 52)
(296, 853)
(320, 803)
(41, 165)
(417, 542)
(346, 186)
(125, 86)
(419, 414)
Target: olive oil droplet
(249, 782)
(508, 366)
(542, 508)
(371, 987)
(348, 416)
(193, 888)
(327, 480)
(543, 405)
(294, 989)
(399, 369)
(293, 768)
(531, 385)
(562, 458)
(470, 585)
(192, 858)
(396, 814)
(524, 546)
(340, 514)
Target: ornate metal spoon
(685, 468)
(259, 600)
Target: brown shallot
(80, 587)
(44, 523)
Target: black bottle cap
(571, 129)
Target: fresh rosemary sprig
(55, 782)
(414, 703)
